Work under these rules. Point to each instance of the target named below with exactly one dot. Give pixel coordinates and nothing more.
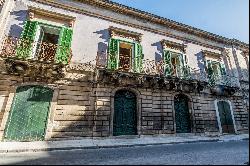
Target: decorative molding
(212, 54)
(33, 68)
(31, 15)
(37, 11)
(173, 45)
(125, 33)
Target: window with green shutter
(25, 45)
(215, 71)
(64, 45)
(45, 42)
(125, 56)
(167, 63)
(113, 54)
(175, 64)
(138, 58)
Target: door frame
(218, 115)
(138, 109)
(50, 118)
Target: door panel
(125, 114)
(182, 116)
(29, 112)
(225, 117)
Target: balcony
(32, 58)
(39, 59)
(159, 69)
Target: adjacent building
(95, 68)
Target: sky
(227, 18)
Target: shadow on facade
(20, 17)
(158, 54)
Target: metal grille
(29, 112)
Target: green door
(28, 117)
(225, 117)
(182, 116)
(125, 122)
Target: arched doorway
(226, 119)
(182, 115)
(125, 117)
(29, 112)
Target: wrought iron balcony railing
(13, 47)
(151, 67)
(46, 52)
(227, 80)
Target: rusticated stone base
(83, 108)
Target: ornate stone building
(94, 68)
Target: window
(125, 56)
(45, 42)
(175, 64)
(124, 50)
(215, 71)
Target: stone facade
(84, 95)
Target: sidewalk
(88, 143)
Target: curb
(113, 146)
(100, 147)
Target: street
(209, 153)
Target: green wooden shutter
(64, 45)
(167, 61)
(222, 69)
(24, 48)
(210, 72)
(186, 69)
(185, 60)
(113, 54)
(138, 58)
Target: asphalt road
(209, 153)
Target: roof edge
(117, 7)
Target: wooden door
(28, 117)
(182, 115)
(226, 119)
(125, 122)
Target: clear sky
(228, 18)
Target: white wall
(91, 33)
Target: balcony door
(174, 64)
(46, 41)
(215, 71)
(125, 56)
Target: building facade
(94, 68)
